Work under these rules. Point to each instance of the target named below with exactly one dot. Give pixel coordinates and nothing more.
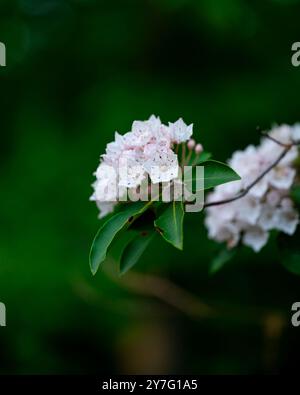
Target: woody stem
(245, 191)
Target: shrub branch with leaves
(258, 188)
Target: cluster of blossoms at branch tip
(145, 151)
(268, 204)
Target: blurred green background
(77, 70)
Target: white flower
(180, 132)
(131, 169)
(114, 149)
(296, 133)
(248, 210)
(229, 233)
(273, 198)
(157, 127)
(150, 150)
(255, 237)
(140, 135)
(286, 203)
(282, 177)
(245, 161)
(127, 162)
(105, 187)
(163, 166)
(268, 218)
(224, 212)
(105, 208)
(267, 205)
(270, 149)
(288, 219)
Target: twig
(183, 155)
(189, 304)
(244, 192)
(249, 187)
(188, 158)
(265, 134)
(168, 292)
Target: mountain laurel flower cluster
(161, 173)
(267, 205)
(145, 151)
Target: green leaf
(204, 156)
(135, 249)
(195, 159)
(170, 224)
(215, 173)
(119, 244)
(291, 262)
(223, 257)
(110, 229)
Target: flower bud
(198, 148)
(191, 144)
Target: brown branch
(180, 299)
(244, 192)
(265, 134)
(168, 292)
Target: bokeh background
(77, 70)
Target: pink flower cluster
(144, 151)
(268, 205)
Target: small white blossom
(140, 135)
(180, 132)
(273, 198)
(267, 206)
(163, 166)
(248, 210)
(288, 219)
(105, 208)
(105, 189)
(269, 149)
(114, 150)
(286, 203)
(268, 218)
(131, 169)
(230, 233)
(296, 133)
(255, 237)
(282, 177)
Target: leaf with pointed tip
(223, 257)
(215, 173)
(170, 224)
(135, 249)
(119, 244)
(291, 262)
(110, 229)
